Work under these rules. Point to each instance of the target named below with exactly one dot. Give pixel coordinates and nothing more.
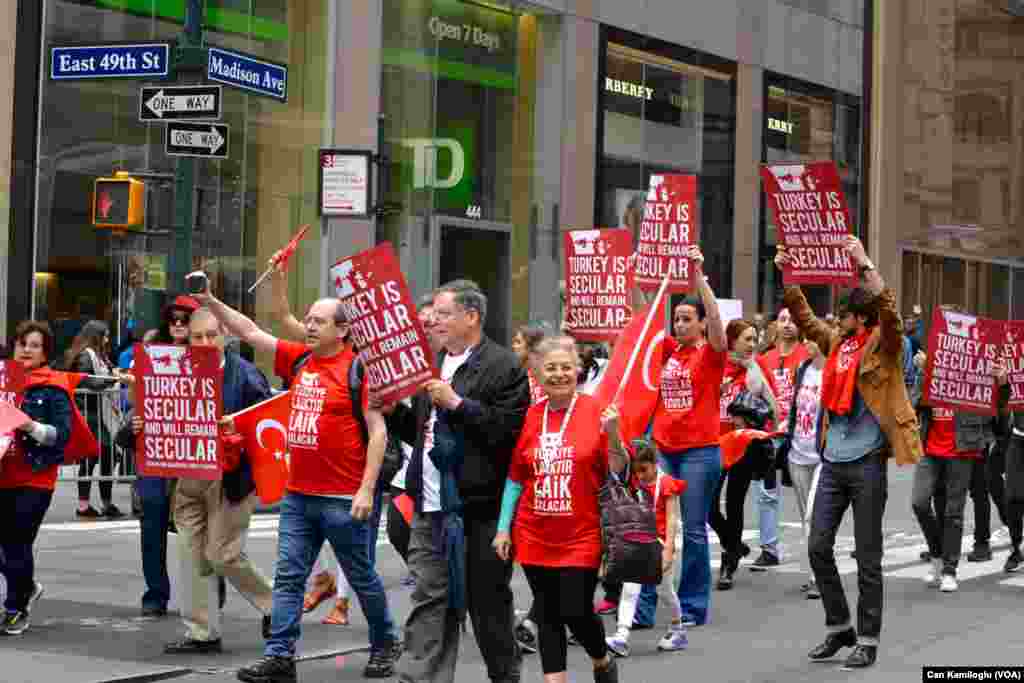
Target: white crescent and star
(265, 424)
(654, 345)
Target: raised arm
(889, 321)
(715, 328)
(238, 323)
(290, 325)
(812, 327)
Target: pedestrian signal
(118, 203)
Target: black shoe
(764, 561)
(222, 592)
(111, 511)
(925, 556)
(16, 622)
(725, 576)
(90, 512)
(862, 657)
(526, 640)
(189, 646)
(833, 644)
(981, 553)
(266, 627)
(269, 670)
(609, 674)
(744, 549)
(155, 612)
(382, 661)
(1013, 562)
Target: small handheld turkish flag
(263, 426)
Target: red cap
(184, 303)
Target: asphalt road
(87, 627)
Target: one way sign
(175, 103)
(208, 140)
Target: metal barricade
(105, 412)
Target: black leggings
(730, 526)
(564, 596)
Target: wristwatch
(866, 268)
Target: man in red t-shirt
(953, 442)
(331, 483)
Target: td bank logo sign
(425, 168)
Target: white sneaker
(934, 575)
(674, 640)
(949, 584)
(618, 645)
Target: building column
(579, 143)
(8, 39)
(747, 216)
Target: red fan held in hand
(282, 257)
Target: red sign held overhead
(812, 220)
(178, 393)
(598, 283)
(962, 353)
(669, 229)
(385, 326)
(1013, 357)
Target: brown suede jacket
(880, 379)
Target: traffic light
(118, 203)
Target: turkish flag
(635, 366)
(289, 249)
(264, 429)
(734, 444)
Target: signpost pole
(184, 58)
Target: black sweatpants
(564, 596)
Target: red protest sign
(669, 228)
(385, 327)
(962, 352)
(812, 220)
(1013, 357)
(12, 383)
(598, 282)
(178, 394)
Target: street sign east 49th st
(209, 140)
(173, 103)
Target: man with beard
(870, 419)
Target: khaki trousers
(214, 531)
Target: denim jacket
(49, 406)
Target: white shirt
(806, 406)
(431, 477)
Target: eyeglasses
(179, 320)
(440, 315)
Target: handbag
(629, 531)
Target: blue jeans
(306, 522)
(701, 468)
(768, 502)
(156, 515)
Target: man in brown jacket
(869, 419)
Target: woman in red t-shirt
(741, 373)
(28, 472)
(550, 520)
(686, 430)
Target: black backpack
(629, 529)
(394, 455)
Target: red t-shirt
(325, 441)
(734, 380)
(558, 521)
(781, 372)
(942, 437)
(687, 415)
(15, 472)
(670, 488)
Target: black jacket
(495, 397)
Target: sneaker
(609, 674)
(934, 575)
(1013, 562)
(675, 639)
(90, 512)
(764, 561)
(862, 657)
(618, 645)
(190, 646)
(338, 616)
(269, 670)
(382, 661)
(37, 592)
(812, 591)
(689, 622)
(925, 556)
(948, 584)
(111, 511)
(606, 607)
(526, 639)
(833, 643)
(15, 622)
(981, 553)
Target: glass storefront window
(469, 94)
(802, 123)
(668, 109)
(242, 208)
